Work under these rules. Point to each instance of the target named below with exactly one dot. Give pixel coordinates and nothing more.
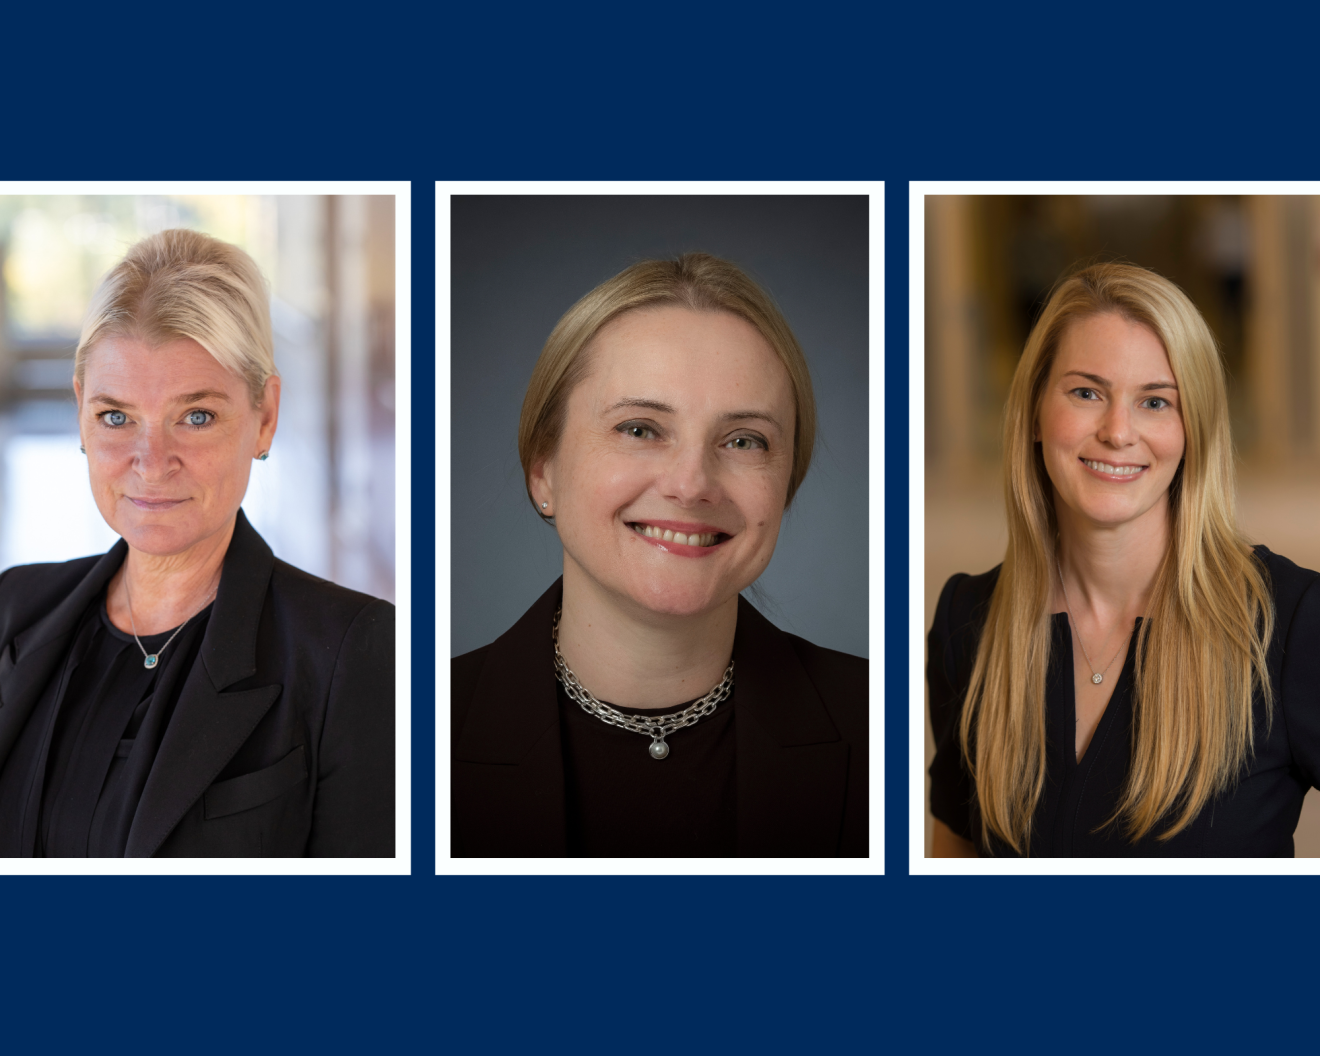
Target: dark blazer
(281, 743)
(801, 744)
(1254, 818)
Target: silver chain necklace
(655, 728)
(150, 660)
(1096, 676)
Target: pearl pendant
(1097, 679)
(150, 661)
(658, 749)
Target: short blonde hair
(696, 281)
(181, 283)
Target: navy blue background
(833, 964)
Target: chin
(667, 598)
(157, 539)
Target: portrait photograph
(202, 545)
(1114, 613)
(658, 507)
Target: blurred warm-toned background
(1251, 264)
(324, 500)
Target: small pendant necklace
(150, 660)
(1096, 676)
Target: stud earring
(82, 449)
(263, 456)
(544, 505)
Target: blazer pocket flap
(252, 790)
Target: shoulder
(963, 604)
(464, 673)
(1288, 582)
(28, 592)
(295, 589)
(325, 616)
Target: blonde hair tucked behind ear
(182, 283)
(696, 281)
(1201, 650)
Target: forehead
(125, 366)
(1113, 346)
(693, 359)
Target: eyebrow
(664, 408)
(187, 397)
(1098, 380)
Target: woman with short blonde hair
(187, 694)
(1114, 687)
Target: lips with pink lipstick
(682, 538)
(1119, 472)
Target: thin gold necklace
(1096, 676)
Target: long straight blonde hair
(1201, 650)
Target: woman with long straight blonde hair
(1135, 678)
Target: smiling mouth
(668, 535)
(155, 504)
(1111, 470)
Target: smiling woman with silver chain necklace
(641, 708)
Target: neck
(1110, 570)
(627, 655)
(152, 593)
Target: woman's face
(1110, 422)
(682, 428)
(170, 437)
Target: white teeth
(669, 536)
(1118, 471)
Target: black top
(621, 803)
(71, 786)
(280, 742)
(799, 741)
(1254, 819)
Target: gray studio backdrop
(519, 262)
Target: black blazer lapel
(28, 665)
(208, 725)
(792, 763)
(508, 780)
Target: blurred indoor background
(324, 500)
(1251, 264)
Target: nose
(691, 475)
(154, 459)
(1116, 427)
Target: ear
(542, 486)
(269, 414)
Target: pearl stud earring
(544, 505)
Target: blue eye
(199, 418)
(115, 418)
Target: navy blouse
(1255, 818)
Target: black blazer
(801, 744)
(282, 739)
(1256, 818)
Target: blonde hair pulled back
(696, 281)
(184, 284)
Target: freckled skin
(690, 463)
